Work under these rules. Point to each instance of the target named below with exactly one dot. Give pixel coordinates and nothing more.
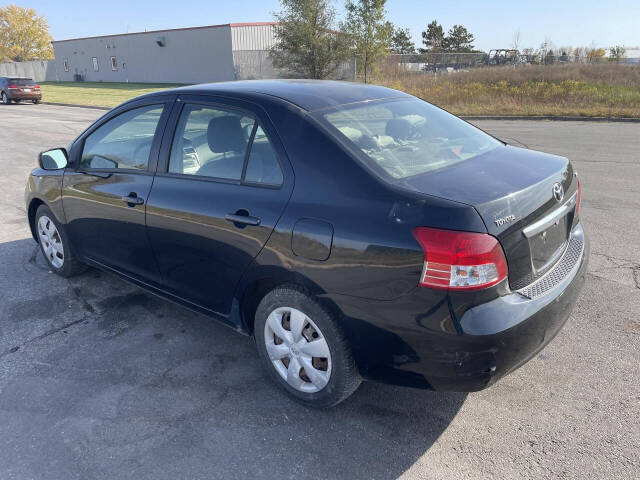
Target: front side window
(124, 142)
(408, 137)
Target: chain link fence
(435, 63)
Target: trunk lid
(513, 191)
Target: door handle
(240, 219)
(133, 199)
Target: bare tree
(515, 40)
(617, 53)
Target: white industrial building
(212, 53)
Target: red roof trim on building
(252, 24)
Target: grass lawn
(97, 94)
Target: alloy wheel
(5, 99)
(297, 349)
(51, 241)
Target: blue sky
(564, 22)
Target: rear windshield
(409, 136)
(22, 81)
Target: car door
(222, 183)
(105, 189)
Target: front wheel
(303, 349)
(36, 101)
(5, 99)
(55, 244)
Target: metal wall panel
(252, 37)
(197, 55)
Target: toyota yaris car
(356, 232)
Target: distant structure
(214, 53)
(632, 54)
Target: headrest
(398, 128)
(225, 134)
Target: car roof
(309, 95)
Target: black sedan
(356, 232)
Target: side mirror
(55, 159)
(99, 162)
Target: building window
(94, 60)
(114, 64)
(65, 62)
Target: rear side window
(262, 165)
(408, 137)
(217, 142)
(124, 142)
(210, 142)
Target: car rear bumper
(24, 95)
(458, 346)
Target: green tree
(617, 53)
(433, 38)
(307, 43)
(370, 34)
(459, 40)
(401, 41)
(24, 35)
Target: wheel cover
(51, 241)
(297, 349)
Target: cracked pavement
(99, 379)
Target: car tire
(36, 101)
(55, 244)
(321, 381)
(5, 100)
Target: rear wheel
(5, 99)
(55, 245)
(36, 101)
(304, 350)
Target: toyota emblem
(558, 191)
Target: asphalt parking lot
(99, 379)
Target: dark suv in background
(18, 89)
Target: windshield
(408, 137)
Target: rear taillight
(460, 260)
(12, 87)
(37, 87)
(578, 199)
